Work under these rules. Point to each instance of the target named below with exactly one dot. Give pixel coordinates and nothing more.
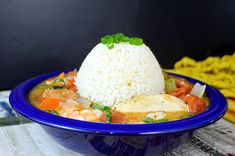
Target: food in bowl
(103, 138)
(120, 81)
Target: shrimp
(85, 115)
(67, 111)
(75, 115)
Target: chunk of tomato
(117, 117)
(183, 88)
(70, 84)
(182, 83)
(179, 92)
(196, 104)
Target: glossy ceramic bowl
(90, 138)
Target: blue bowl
(90, 138)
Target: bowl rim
(20, 103)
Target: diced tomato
(72, 73)
(196, 104)
(70, 84)
(178, 92)
(182, 91)
(102, 118)
(183, 88)
(117, 117)
(182, 83)
(49, 104)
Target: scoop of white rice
(108, 76)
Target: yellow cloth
(230, 114)
(218, 72)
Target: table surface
(21, 137)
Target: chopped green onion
(109, 40)
(136, 41)
(151, 120)
(119, 37)
(52, 112)
(148, 120)
(116, 37)
(105, 109)
(58, 84)
(161, 120)
(110, 45)
(108, 113)
(96, 106)
(124, 38)
(105, 39)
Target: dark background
(41, 36)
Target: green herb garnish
(161, 120)
(110, 45)
(136, 41)
(96, 106)
(148, 120)
(105, 109)
(123, 38)
(58, 84)
(151, 120)
(109, 40)
(106, 39)
(116, 37)
(108, 113)
(52, 112)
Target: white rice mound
(108, 76)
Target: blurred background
(41, 36)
